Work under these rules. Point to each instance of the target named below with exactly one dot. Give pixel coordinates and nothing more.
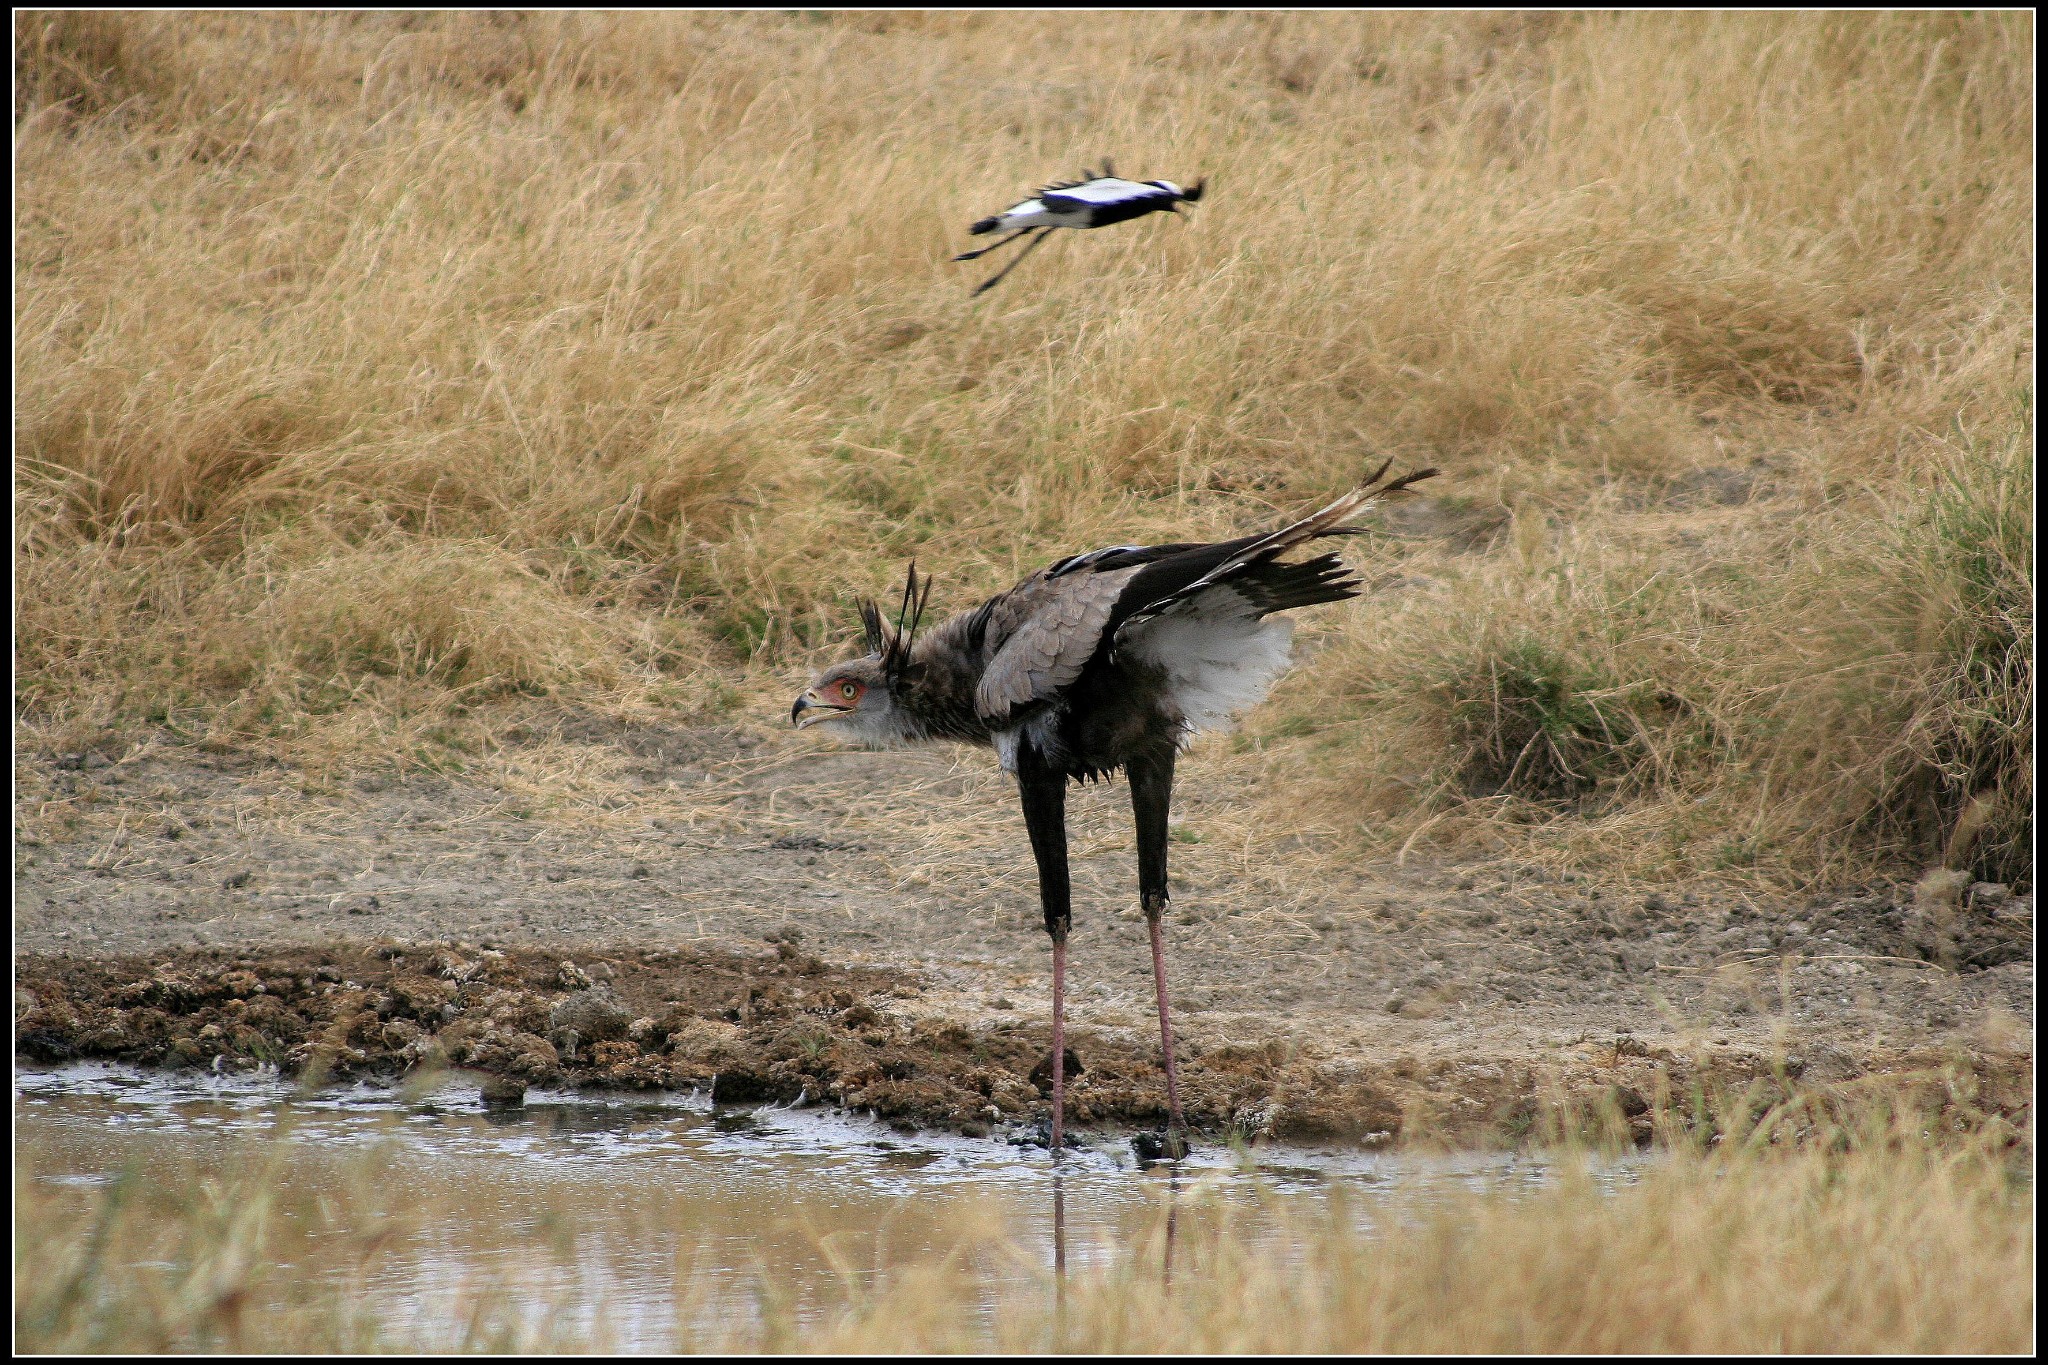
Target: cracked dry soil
(635, 906)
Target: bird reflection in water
(1059, 1236)
(1172, 1219)
(1059, 1255)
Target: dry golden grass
(1891, 1243)
(1865, 1254)
(371, 368)
(1794, 688)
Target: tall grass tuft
(1968, 771)
(1532, 721)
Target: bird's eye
(848, 691)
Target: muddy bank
(783, 1025)
(614, 908)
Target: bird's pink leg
(1151, 798)
(1059, 1040)
(1176, 1127)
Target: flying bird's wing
(1106, 190)
(1102, 193)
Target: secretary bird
(1093, 201)
(1106, 660)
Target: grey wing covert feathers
(1042, 634)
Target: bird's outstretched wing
(1040, 635)
(1254, 558)
(1104, 193)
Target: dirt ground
(642, 905)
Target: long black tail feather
(1158, 585)
(1272, 586)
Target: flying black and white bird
(1093, 201)
(1108, 660)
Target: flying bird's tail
(986, 225)
(1193, 193)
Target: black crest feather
(893, 646)
(916, 592)
(871, 625)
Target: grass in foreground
(1865, 1253)
(1909, 1242)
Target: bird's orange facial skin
(828, 699)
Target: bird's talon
(1169, 1144)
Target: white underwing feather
(1220, 658)
(1112, 192)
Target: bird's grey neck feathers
(934, 694)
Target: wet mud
(782, 1025)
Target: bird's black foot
(1169, 1144)
(1038, 1134)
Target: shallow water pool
(649, 1223)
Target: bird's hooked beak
(810, 708)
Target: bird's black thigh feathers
(1151, 774)
(1043, 789)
